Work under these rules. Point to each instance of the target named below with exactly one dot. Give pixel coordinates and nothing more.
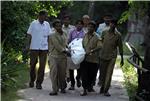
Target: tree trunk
(91, 9)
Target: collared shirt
(91, 42)
(68, 29)
(85, 29)
(75, 34)
(39, 33)
(57, 44)
(102, 27)
(111, 41)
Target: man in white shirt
(67, 27)
(86, 20)
(105, 25)
(37, 43)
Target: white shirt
(101, 28)
(85, 29)
(39, 33)
(68, 29)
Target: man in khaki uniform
(67, 28)
(57, 58)
(111, 40)
(89, 66)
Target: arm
(28, 37)
(98, 46)
(28, 42)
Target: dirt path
(117, 91)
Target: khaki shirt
(110, 44)
(57, 44)
(92, 42)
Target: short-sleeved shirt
(91, 42)
(101, 28)
(111, 41)
(75, 34)
(39, 33)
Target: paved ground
(117, 91)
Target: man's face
(43, 17)
(91, 28)
(66, 21)
(86, 21)
(58, 26)
(107, 20)
(79, 26)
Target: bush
(130, 77)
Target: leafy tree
(15, 20)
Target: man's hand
(68, 52)
(89, 52)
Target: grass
(130, 77)
(11, 93)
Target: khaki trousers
(106, 71)
(58, 73)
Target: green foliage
(15, 20)
(16, 17)
(10, 94)
(130, 77)
(9, 68)
(53, 7)
(134, 7)
(124, 17)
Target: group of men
(100, 47)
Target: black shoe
(53, 94)
(38, 86)
(107, 94)
(101, 90)
(91, 90)
(31, 84)
(99, 83)
(78, 83)
(71, 88)
(84, 93)
(68, 79)
(63, 91)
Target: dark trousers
(34, 55)
(88, 74)
(71, 73)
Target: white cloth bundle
(77, 51)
